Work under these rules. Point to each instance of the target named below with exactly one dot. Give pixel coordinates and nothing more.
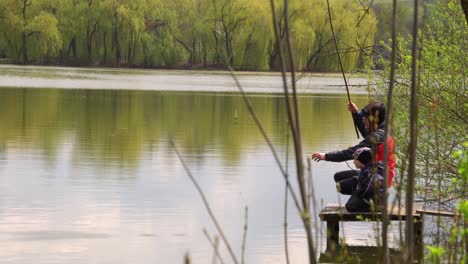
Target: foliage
(44, 28)
(462, 158)
(442, 111)
(174, 33)
(435, 253)
(463, 209)
(441, 98)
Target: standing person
(366, 189)
(370, 121)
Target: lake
(88, 175)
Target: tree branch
(205, 202)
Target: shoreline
(32, 76)
(206, 70)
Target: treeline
(183, 33)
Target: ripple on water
(56, 235)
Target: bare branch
(286, 248)
(413, 140)
(245, 234)
(214, 244)
(366, 12)
(205, 202)
(386, 253)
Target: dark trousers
(346, 183)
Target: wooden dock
(334, 214)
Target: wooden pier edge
(334, 214)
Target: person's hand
(352, 107)
(318, 156)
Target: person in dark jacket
(366, 189)
(370, 122)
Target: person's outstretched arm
(342, 155)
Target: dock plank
(339, 213)
(435, 213)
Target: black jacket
(370, 140)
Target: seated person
(370, 121)
(366, 189)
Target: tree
(43, 28)
(11, 27)
(92, 20)
(188, 27)
(28, 19)
(163, 33)
(230, 18)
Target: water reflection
(119, 127)
(87, 176)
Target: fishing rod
(341, 64)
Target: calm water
(88, 175)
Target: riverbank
(214, 70)
(172, 80)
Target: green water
(89, 176)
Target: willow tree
(188, 27)
(313, 48)
(252, 39)
(47, 39)
(163, 33)
(11, 27)
(93, 17)
(354, 29)
(230, 17)
(15, 18)
(28, 20)
(69, 15)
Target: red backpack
(390, 161)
